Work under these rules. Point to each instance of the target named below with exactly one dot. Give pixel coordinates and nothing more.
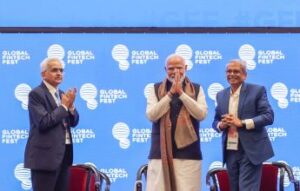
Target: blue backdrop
(113, 72)
(137, 13)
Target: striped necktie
(57, 98)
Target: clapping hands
(68, 98)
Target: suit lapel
(242, 98)
(226, 104)
(49, 97)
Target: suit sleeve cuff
(64, 107)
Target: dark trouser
(52, 180)
(243, 175)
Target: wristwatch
(243, 123)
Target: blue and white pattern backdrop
(112, 73)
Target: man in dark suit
(49, 150)
(242, 112)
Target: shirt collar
(237, 92)
(51, 89)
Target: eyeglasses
(55, 70)
(171, 69)
(233, 71)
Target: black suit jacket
(45, 147)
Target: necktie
(57, 98)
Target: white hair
(173, 56)
(46, 61)
(242, 63)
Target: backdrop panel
(135, 13)
(113, 72)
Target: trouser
(187, 175)
(243, 175)
(56, 180)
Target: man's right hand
(68, 98)
(176, 85)
(224, 123)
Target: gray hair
(46, 61)
(242, 63)
(173, 56)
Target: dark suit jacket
(45, 147)
(253, 104)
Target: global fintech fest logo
(124, 57)
(279, 92)
(248, 53)
(285, 95)
(72, 57)
(23, 175)
(125, 136)
(21, 93)
(88, 92)
(203, 56)
(121, 130)
(13, 57)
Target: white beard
(172, 79)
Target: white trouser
(187, 175)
